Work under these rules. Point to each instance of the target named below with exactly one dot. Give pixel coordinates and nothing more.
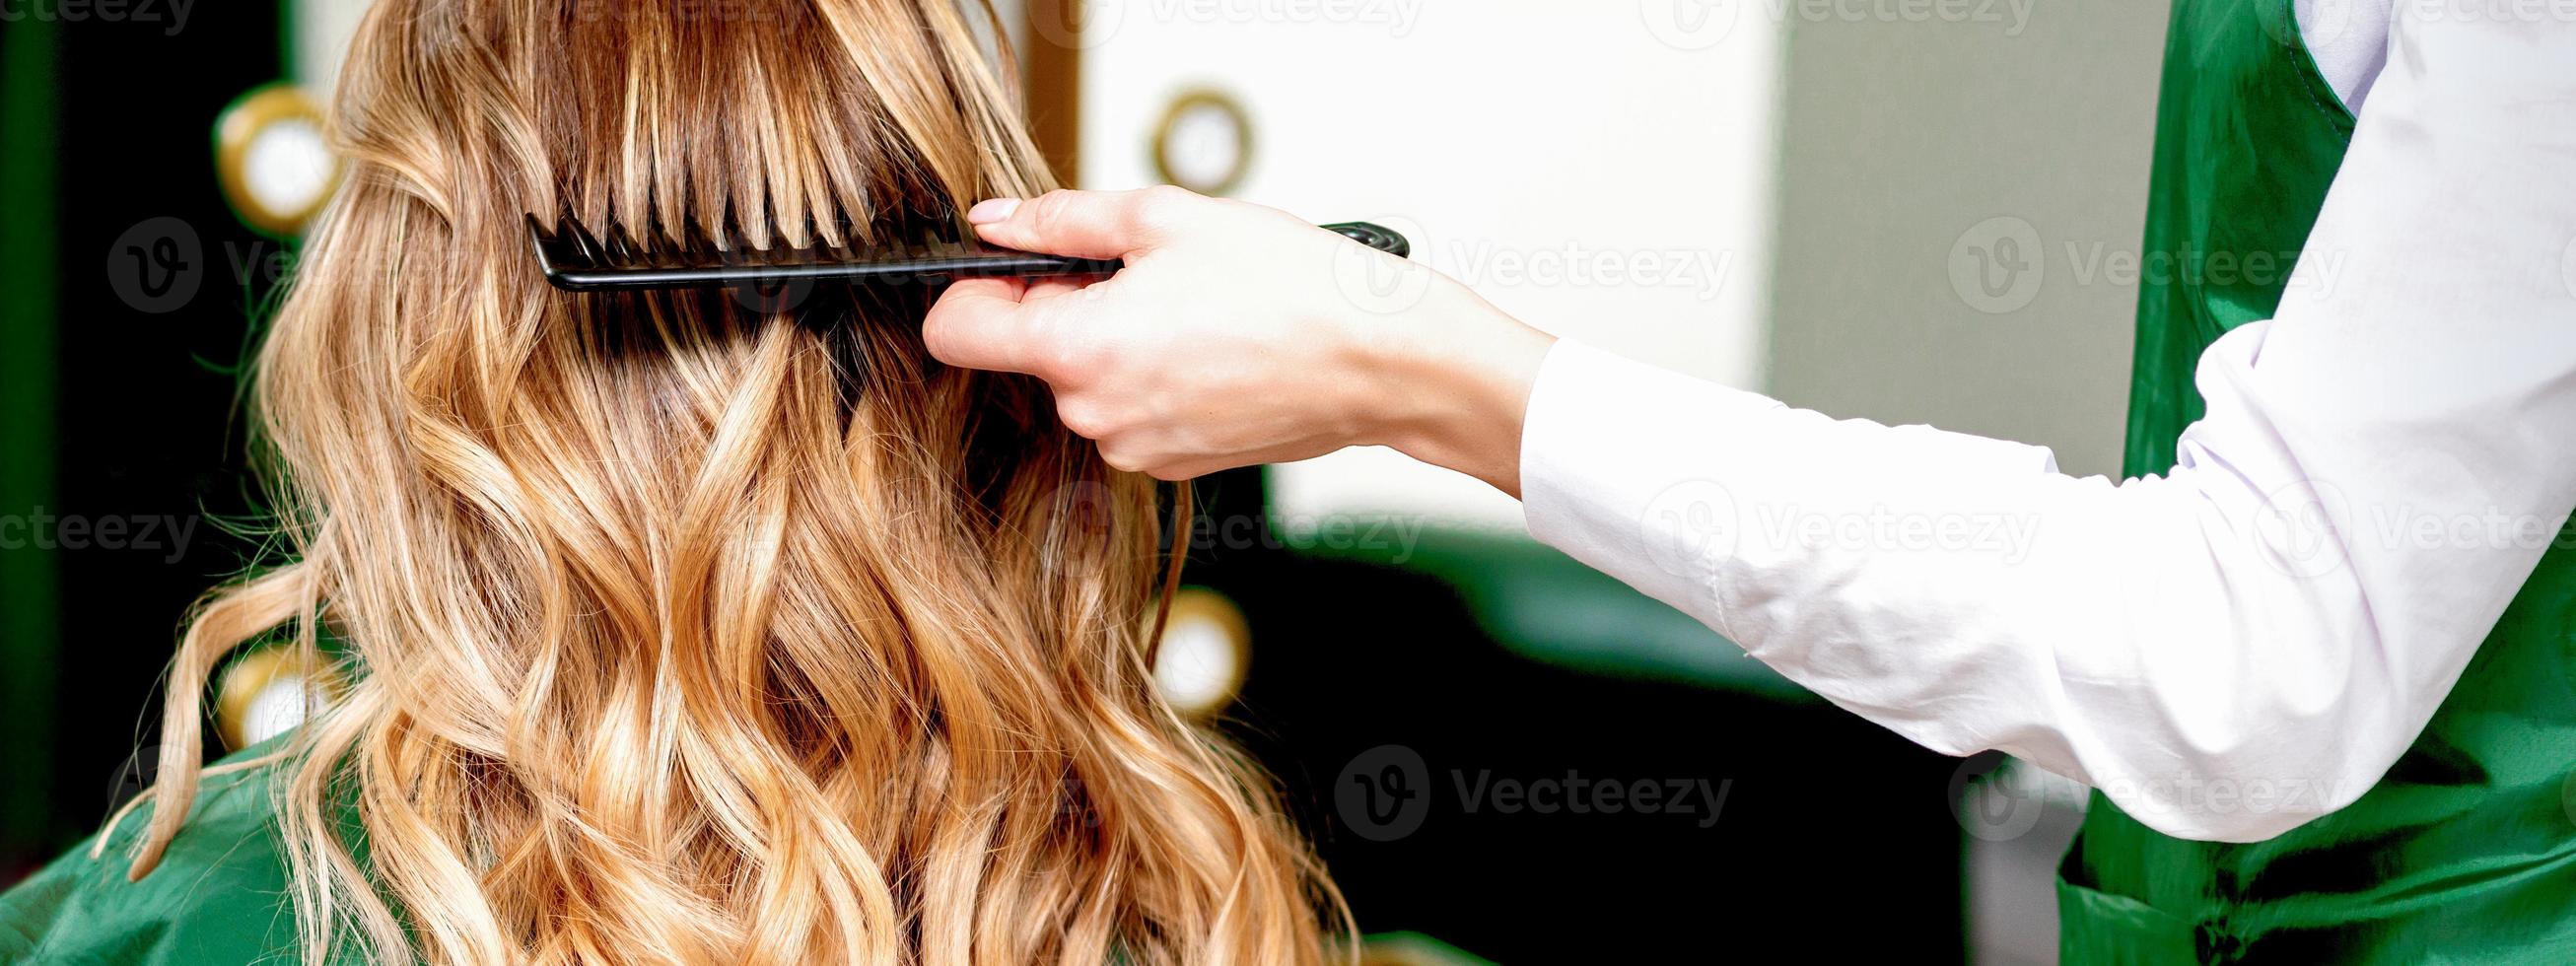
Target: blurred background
(1911, 212)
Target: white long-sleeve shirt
(2237, 646)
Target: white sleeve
(2228, 650)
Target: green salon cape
(218, 898)
(2466, 850)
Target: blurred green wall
(27, 275)
(116, 411)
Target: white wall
(1600, 169)
(321, 30)
(1831, 165)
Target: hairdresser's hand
(1239, 334)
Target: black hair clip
(575, 260)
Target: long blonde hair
(682, 628)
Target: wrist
(1457, 381)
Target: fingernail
(991, 210)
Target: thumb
(1084, 224)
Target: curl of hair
(684, 628)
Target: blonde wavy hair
(686, 629)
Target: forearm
(1456, 375)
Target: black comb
(577, 261)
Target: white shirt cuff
(1603, 458)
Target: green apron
(219, 896)
(2466, 851)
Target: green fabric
(218, 897)
(2466, 850)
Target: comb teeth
(695, 246)
(922, 248)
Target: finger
(1084, 224)
(980, 323)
